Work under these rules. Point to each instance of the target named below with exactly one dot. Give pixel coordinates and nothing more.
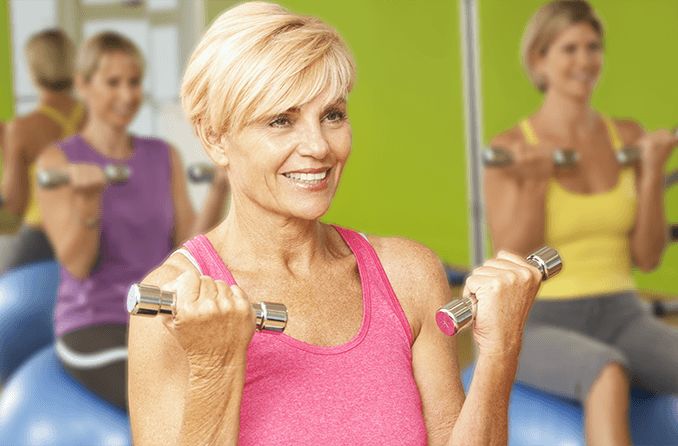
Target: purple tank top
(137, 224)
(360, 392)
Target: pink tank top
(361, 392)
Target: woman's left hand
(655, 149)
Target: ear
(215, 145)
(539, 70)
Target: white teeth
(306, 177)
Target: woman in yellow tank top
(588, 336)
(50, 56)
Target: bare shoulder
(508, 138)
(629, 130)
(416, 275)
(51, 157)
(145, 332)
(169, 270)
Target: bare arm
(515, 198)
(72, 213)
(419, 281)
(187, 223)
(649, 235)
(505, 291)
(15, 179)
(176, 395)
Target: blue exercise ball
(43, 406)
(27, 298)
(537, 418)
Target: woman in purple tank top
(107, 236)
(362, 360)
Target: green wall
(407, 173)
(6, 90)
(638, 81)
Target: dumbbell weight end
(457, 314)
(149, 300)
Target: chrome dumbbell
(115, 173)
(149, 300)
(200, 173)
(627, 156)
(457, 314)
(498, 157)
(671, 179)
(630, 155)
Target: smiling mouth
(307, 178)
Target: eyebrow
(336, 103)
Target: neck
(56, 99)
(256, 237)
(110, 141)
(565, 116)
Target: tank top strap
(613, 133)
(68, 124)
(528, 132)
(381, 290)
(208, 259)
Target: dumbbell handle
(51, 178)
(457, 314)
(671, 179)
(499, 157)
(149, 300)
(200, 173)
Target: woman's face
(572, 63)
(114, 93)
(291, 163)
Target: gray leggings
(567, 344)
(29, 245)
(97, 358)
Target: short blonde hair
(107, 42)
(258, 60)
(50, 55)
(545, 25)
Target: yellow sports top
(590, 231)
(69, 126)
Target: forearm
(523, 220)
(649, 235)
(483, 419)
(212, 408)
(77, 246)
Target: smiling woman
(107, 236)
(266, 91)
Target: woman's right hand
(504, 289)
(213, 323)
(531, 162)
(86, 179)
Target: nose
(313, 141)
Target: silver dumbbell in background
(629, 155)
(149, 300)
(200, 173)
(115, 173)
(457, 314)
(498, 157)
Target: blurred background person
(588, 335)
(107, 236)
(50, 57)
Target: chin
(310, 212)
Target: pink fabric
(359, 393)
